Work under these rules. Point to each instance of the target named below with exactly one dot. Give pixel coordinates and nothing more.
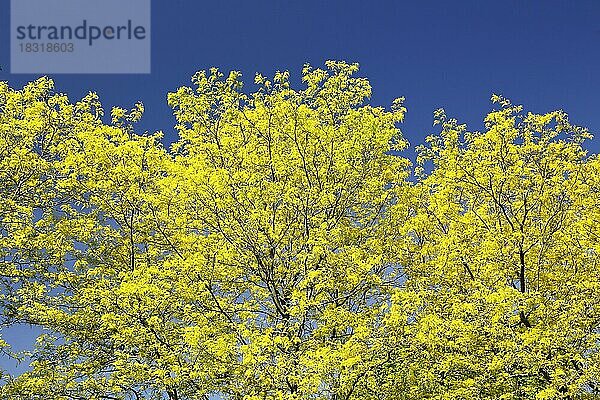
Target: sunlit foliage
(284, 248)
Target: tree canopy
(284, 247)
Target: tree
(249, 261)
(501, 254)
(73, 230)
(279, 250)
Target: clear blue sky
(451, 54)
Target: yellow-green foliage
(280, 250)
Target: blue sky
(450, 54)
(543, 54)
